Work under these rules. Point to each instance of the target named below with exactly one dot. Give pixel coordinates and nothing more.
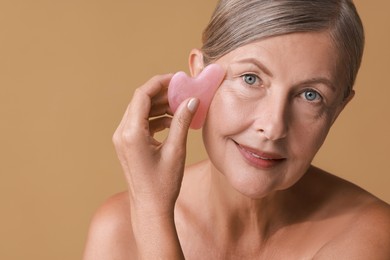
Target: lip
(260, 159)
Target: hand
(153, 170)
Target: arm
(154, 170)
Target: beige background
(67, 72)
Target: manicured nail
(193, 104)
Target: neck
(237, 217)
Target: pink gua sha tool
(202, 87)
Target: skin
(235, 205)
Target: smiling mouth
(260, 159)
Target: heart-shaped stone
(202, 87)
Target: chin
(258, 184)
(253, 187)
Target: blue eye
(250, 79)
(311, 95)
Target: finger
(160, 98)
(159, 110)
(135, 120)
(159, 124)
(142, 99)
(181, 121)
(160, 104)
(140, 105)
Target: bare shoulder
(367, 236)
(110, 233)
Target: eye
(250, 79)
(311, 95)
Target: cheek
(307, 136)
(224, 119)
(227, 111)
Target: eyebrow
(315, 80)
(319, 80)
(258, 64)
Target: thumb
(181, 122)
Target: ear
(343, 104)
(195, 61)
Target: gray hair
(235, 23)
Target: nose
(272, 118)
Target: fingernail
(193, 104)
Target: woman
(290, 67)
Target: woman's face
(273, 111)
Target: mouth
(260, 159)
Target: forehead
(295, 56)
